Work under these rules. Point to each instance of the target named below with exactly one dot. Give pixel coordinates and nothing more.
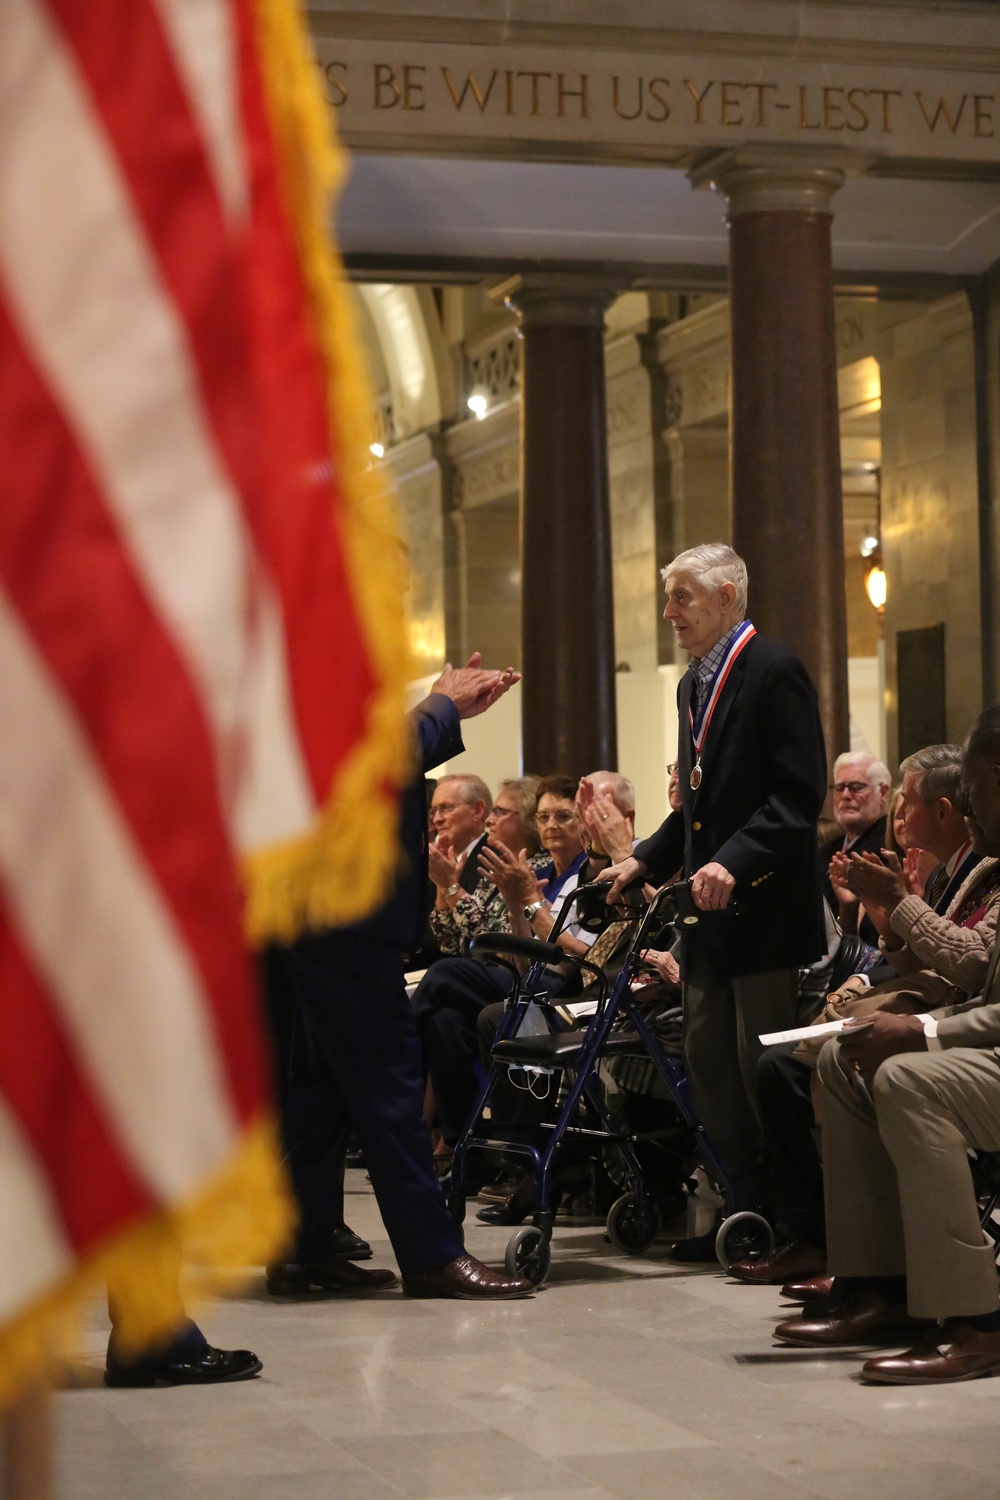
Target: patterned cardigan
(485, 910)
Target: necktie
(938, 885)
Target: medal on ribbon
(699, 727)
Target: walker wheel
(633, 1226)
(743, 1236)
(529, 1254)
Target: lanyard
(742, 637)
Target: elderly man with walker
(752, 779)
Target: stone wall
(930, 531)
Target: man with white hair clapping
(860, 788)
(752, 779)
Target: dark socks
(985, 1322)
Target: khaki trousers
(899, 1194)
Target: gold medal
(695, 779)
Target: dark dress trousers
(763, 784)
(872, 841)
(356, 1055)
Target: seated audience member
(456, 987)
(903, 1102)
(460, 911)
(945, 958)
(605, 802)
(459, 809)
(860, 793)
(535, 901)
(913, 926)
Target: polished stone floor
(623, 1377)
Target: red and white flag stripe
(182, 669)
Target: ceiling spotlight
(477, 405)
(869, 546)
(377, 449)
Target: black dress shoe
(346, 1242)
(467, 1279)
(514, 1211)
(210, 1367)
(699, 1249)
(291, 1278)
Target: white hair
(622, 790)
(876, 771)
(712, 564)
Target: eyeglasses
(839, 788)
(502, 812)
(672, 766)
(445, 807)
(561, 817)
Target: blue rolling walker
(617, 1028)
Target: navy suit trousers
(356, 1059)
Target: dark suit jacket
(402, 918)
(872, 841)
(763, 784)
(470, 874)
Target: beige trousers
(899, 1194)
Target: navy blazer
(763, 785)
(402, 918)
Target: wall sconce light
(377, 449)
(477, 404)
(875, 584)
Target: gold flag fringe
(342, 868)
(242, 1217)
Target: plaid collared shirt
(703, 668)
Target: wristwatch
(530, 912)
(453, 890)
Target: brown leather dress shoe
(958, 1353)
(864, 1317)
(791, 1263)
(292, 1278)
(813, 1289)
(467, 1279)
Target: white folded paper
(801, 1033)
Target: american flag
(200, 658)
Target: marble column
(785, 424)
(567, 608)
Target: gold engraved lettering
(470, 86)
(658, 94)
(336, 92)
(534, 110)
(699, 99)
(509, 75)
(886, 95)
(413, 87)
(729, 101)
(762, 101)
(803, 97)
(385, 81)
(563, 93)
(982, 115)
(616, 100)
(833, 105)
(859, 108)
(941, 112)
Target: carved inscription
(489, 90)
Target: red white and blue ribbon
(699, 729)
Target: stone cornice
(942, 35)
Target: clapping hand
(609, 829)
(511, 874)
(472, 688)
(441, 865)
